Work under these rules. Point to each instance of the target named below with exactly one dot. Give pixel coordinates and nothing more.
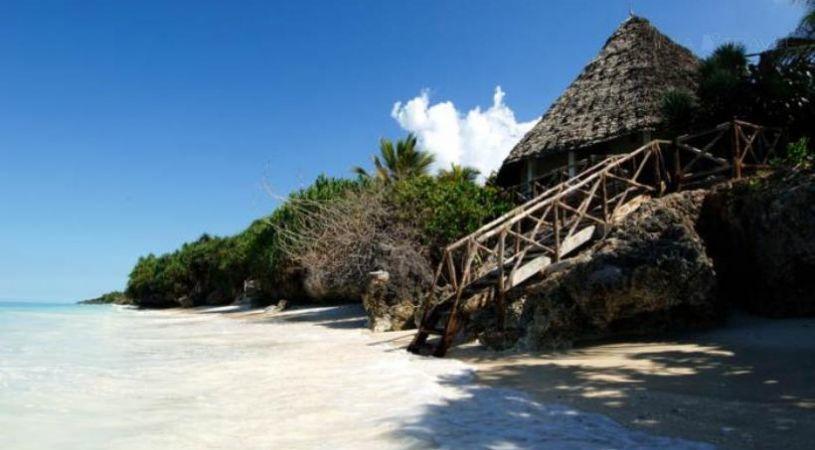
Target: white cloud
(480, 139)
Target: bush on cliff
(445, 208)
(392, 226)
(420, 212)
(204, 272)
(260, 246)
(211, 270)
(777, 90)
(338, 242)
(115, 297)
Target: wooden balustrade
(565, 216)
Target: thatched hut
(612, 106)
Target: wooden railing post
(556, 226)
(736, 151)
(606, 218)
(518, 230)
(676, 172)
(451, 270)
(657, 157)
(500, 298)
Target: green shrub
(776, 90)
(115, 297)
(445, 209)
(798, 154)
(724, 86)
(212, 270)
(678, 108)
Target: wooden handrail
(534, 204)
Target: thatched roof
(616, 94)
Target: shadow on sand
(748, 385)
(508, 418)
(348, 316)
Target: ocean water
(101, 377)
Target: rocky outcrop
(389, 283)
(158, 302)
(277, 308)
(395, 288)
(677, 262)
(250, 294)
(650, 273)
(761, 234)
(111, 298)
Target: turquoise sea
(56, 362)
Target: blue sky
(131, 127)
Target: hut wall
(534, 168)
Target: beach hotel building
(613, 106)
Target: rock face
(678, 261)
(761, 233)
(278, 308)
(114, 298)
(250, 294)
(395, 288)
(158, 302)
(650, 273)
(390, 285)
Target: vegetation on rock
(115, 297)
(444, 209)
(212, 270)
(798, 154)
(774, 88)
(323, 240)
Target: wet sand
(370, 393)
(750, 384)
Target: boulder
(185, 301)
(394, 290)
(250, 294)
(217, 297)
(761, 234)
(278, 308)
(155, 302)
(651, 273)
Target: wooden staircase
(563, 218)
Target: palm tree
(679, 109)
(783, 79)
(457, 173)
(724, 84)
(398, 162)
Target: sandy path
(748, 385)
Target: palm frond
(400, 160)
(359, 171)
(458, 173)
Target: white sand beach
(746, 385)
(308, 378)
